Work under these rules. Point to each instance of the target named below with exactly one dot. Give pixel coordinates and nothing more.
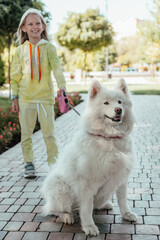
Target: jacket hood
(41, 42)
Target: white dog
(98, 161)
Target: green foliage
(87, 31)
(2, 44)
(156, 10)
(41, 6)
(150, 33)
(5, 103)
(9, 129)
(2, 74)
(10, 14)
(72, 60)
(96, 60)
(150, 29)
(112, 54)
(128, 50)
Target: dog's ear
(121, 84)
(95, 88)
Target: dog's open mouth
(115, 119)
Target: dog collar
(115, 137)
(110, 137)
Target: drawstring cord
(45, 113)
(44, 110)
(37, 53)
(39, 65)
(31, 62)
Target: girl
(32, 86)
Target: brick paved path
(20, 200)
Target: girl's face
(33, 27)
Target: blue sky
(118, 10)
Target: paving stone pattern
(20, 199)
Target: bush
(10, 131)
(2, 73)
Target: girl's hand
(15, 105)
(59, 91)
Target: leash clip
(67, 102)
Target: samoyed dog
(98, 161)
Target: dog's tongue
(117, 119)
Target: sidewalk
(20, 200)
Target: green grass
(5, 103)
(146, 92)
(147, 89)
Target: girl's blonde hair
(22, 36)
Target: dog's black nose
(118, 110)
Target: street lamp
(107, 63)
(107, 47)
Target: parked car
(131, 69)
(116, 69)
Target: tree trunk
(84, 67)
(152, 70)
(9, 65)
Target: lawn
(5, 103)
(147, 89)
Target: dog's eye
(119, 102)
(106, 103)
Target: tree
(150, 29)
(2, 44)
(2, 74)
(88, 31)
(10, 15)
(128, 50)
(112, 54)
(150, 33)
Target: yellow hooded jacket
(31, 72)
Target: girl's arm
(56, 67)
(16, 74)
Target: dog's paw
(91, 230)
(66, 218)
(108, 206)
(130, 216)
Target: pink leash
(64, 103)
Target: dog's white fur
(97, 162)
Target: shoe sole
(31, 175)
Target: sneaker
(29, 170)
